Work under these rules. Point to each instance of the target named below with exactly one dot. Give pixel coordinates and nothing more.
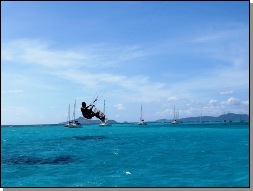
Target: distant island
(221, 118)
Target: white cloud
(227, 92)
(245, 102)
(165, 112)
(76, 66)
(213, 102)
(37, 52)
(119, 106)
(172, 98)
(232, 101)
(79, 66)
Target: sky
(193, 56)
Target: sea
(126, 155)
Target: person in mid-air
(88, 113)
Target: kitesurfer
(88, 113)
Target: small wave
(127, 172)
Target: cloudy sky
(191, 55)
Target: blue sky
(191, 55)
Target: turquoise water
(126, 155)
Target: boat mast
(104, 106)
(74, 112)
(174, 114)
(141, 112)
(69, 114)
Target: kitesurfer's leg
(102, 117)
(99, 115)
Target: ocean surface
(126, 155)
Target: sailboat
(104, 123)
(69, 122)
(142, 122)
(75, 123)
(200, 120)
(175, 120)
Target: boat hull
(104, 124)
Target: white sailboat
(200, 119)
(69, 122)
(175, 120)
(74, 123)
(103, 124)
(142, 122)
